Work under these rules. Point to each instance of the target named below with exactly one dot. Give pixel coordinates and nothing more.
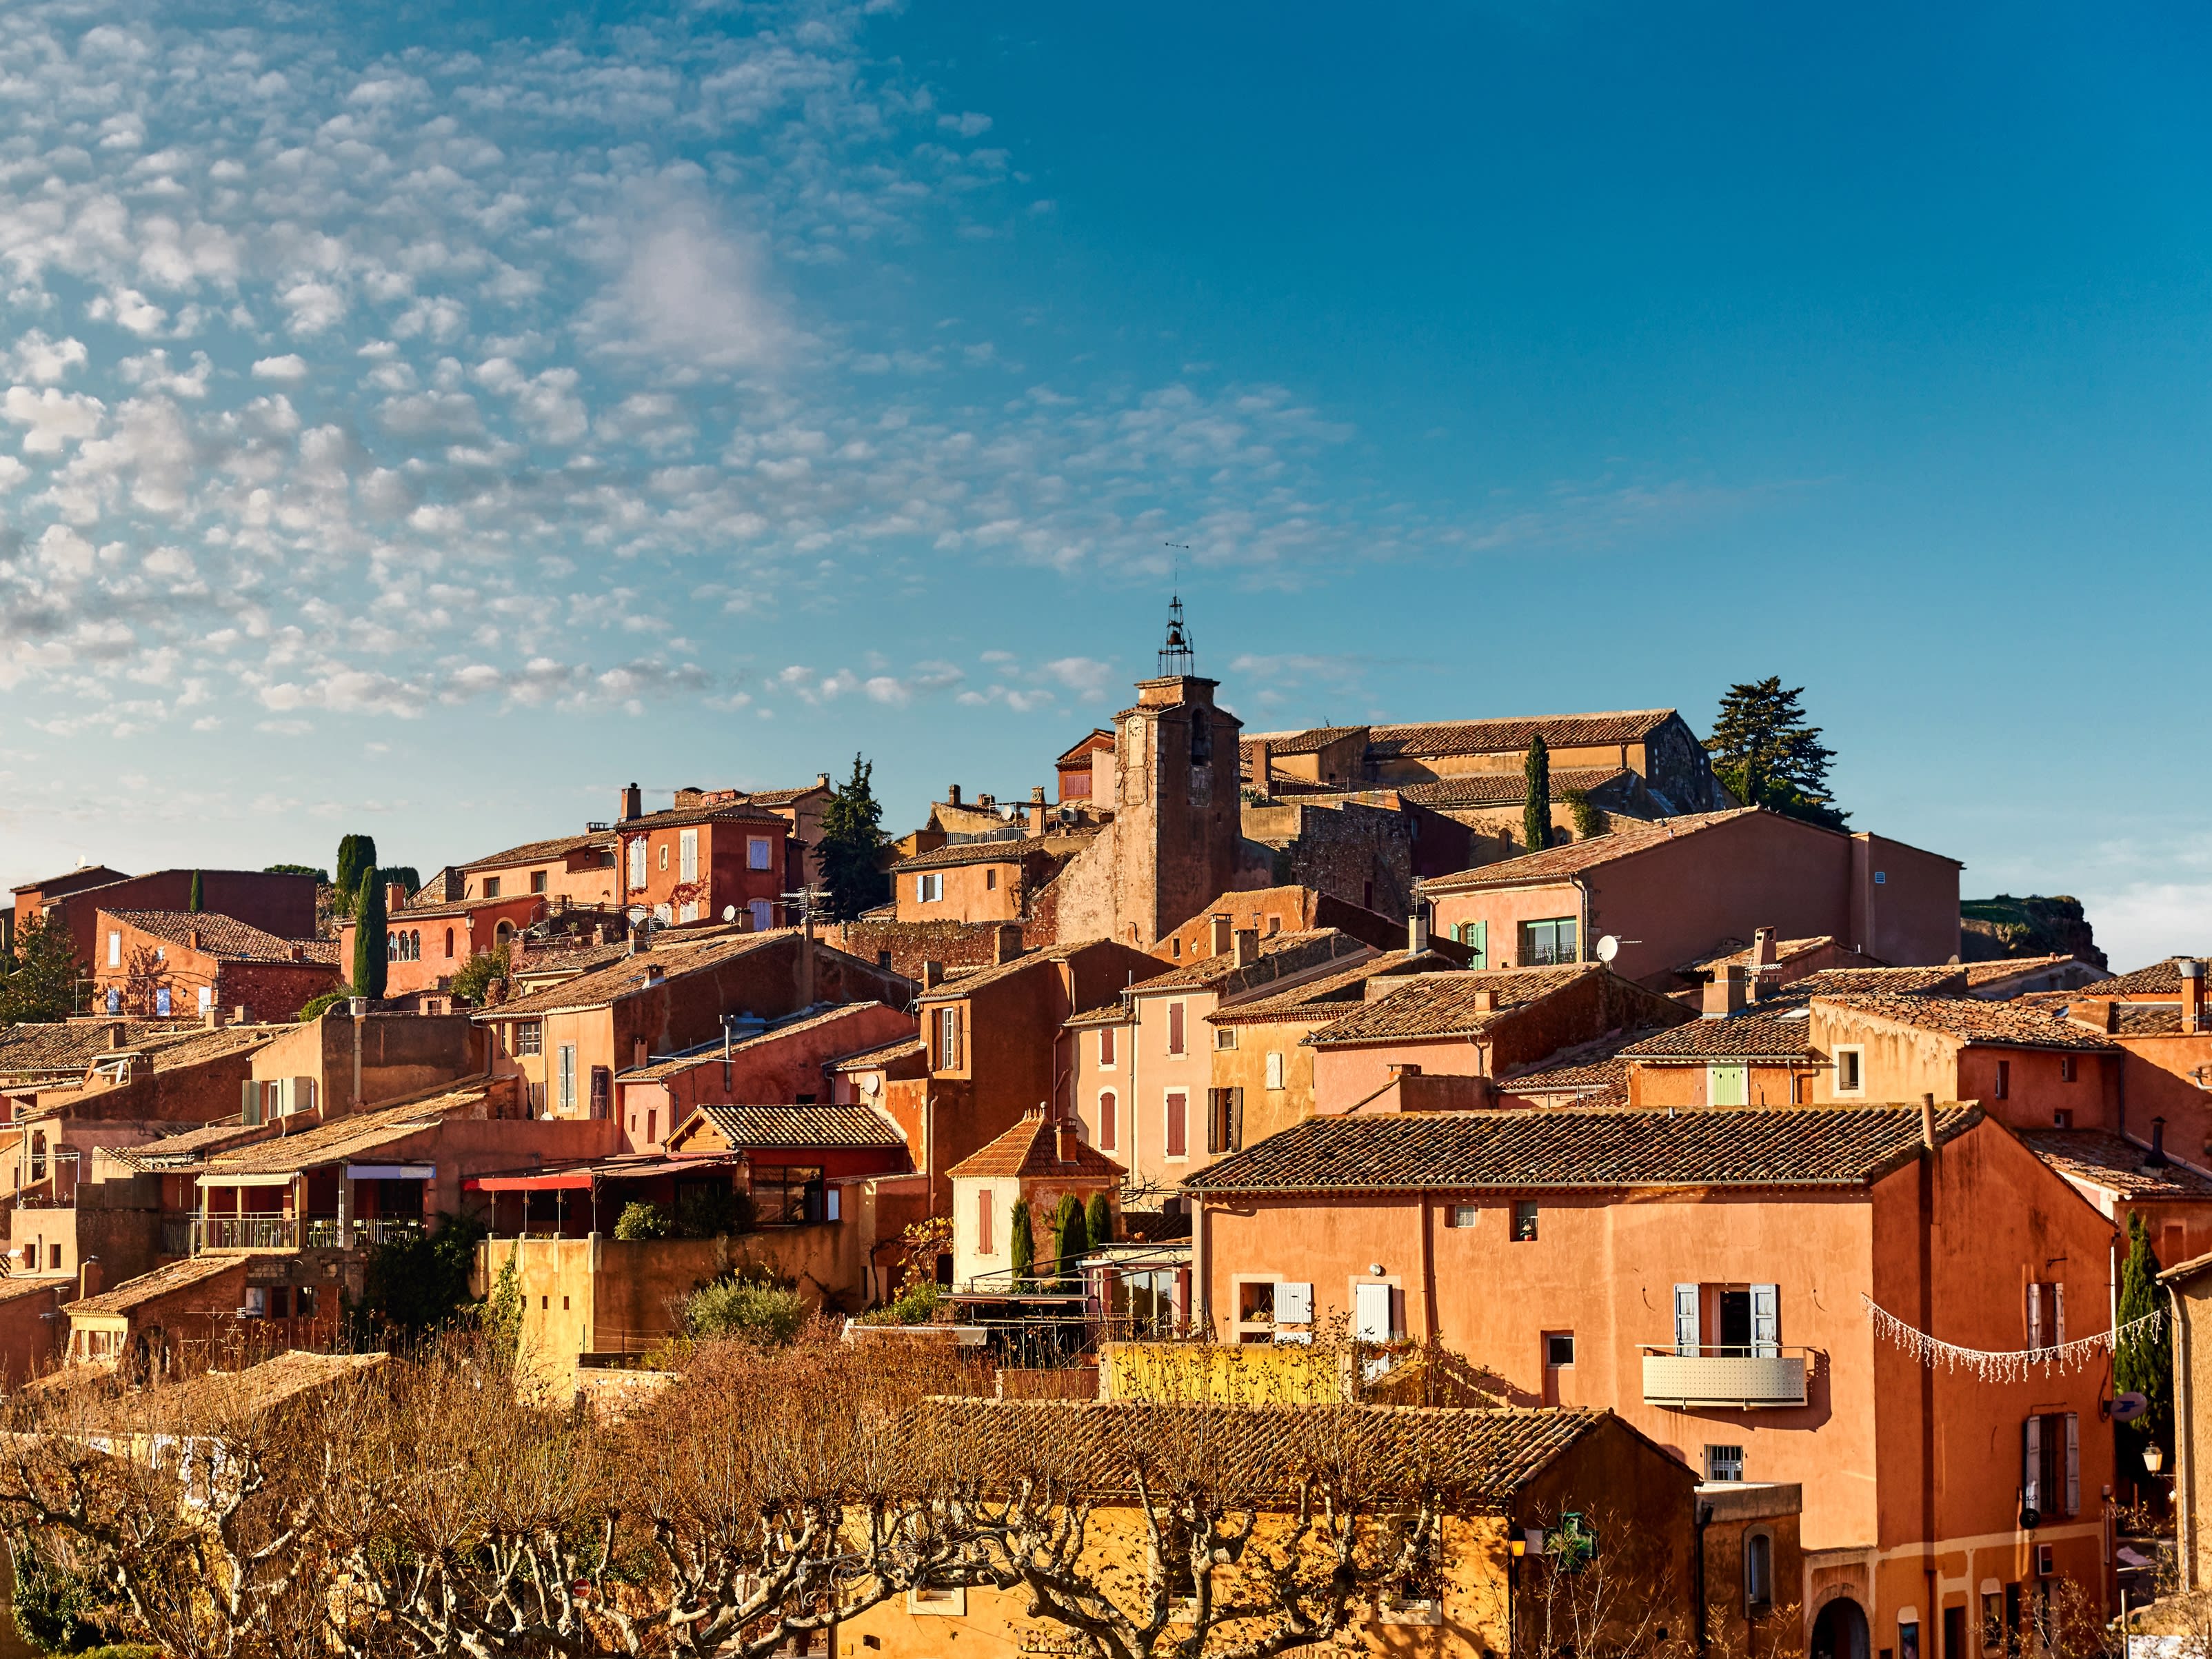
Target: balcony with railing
(1763, 1376)
(284, 1233)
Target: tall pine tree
(2144, 1365)
(370, 944)
(1766, 754)
(852, 840)
(39, 983)
(1536, 810)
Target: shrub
(767, 1314)
(479, 971)
(711, 1211)
(917, 1304)
(323, 1004)
(53, 1607)
(643, 1220)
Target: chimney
(1006, 946)
(821, 780)
(933, 975)
(1486, 1000)
(1928, 1122)
(213, 1019)
(395, 895)
(1762, 948)
(2192, 994)
(1725, 991)
(238, 1017)
(1263, 772)
(1034, 811)
(299, 953)
(119, 1035)
(1247, 946)
(88, 1277)
(2156, 1160)
(598, 933)
(1224, 934)
(1065, 1141)
(952, 794)
(194, 936)
(654, 972)
(632, 804)
(1417, 930)
(2111, 1017)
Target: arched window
(415, 945)
(1106, 1122)
(449, 944)
(1758, 1572)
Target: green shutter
(1477, 937)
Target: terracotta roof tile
(1495, 737)
(1785, 950)
(1877, 982)
(711, 1054)
(1279, 954)
(625, 975)
(70, 1046)
(884, 1054)
(1010, 849)
(1565, 1147)
(1625, 840)
(1751, 1035)
(538, 852)
(734, 811)
(1604, 1073)
(1970, 1020)
(171, 1277)
(785, 797)
(2160, 979)
(2111, 1162)
(341, 1137)
(1312, 741)
(968, 984)
(754, 1127)
(1503, 789)
(1331, 996)
(225, 937)
(1980, 973)
(1030, 1149)
(1447, 1005)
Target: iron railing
(284, 1233)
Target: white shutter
(1686, 1319)
(1371, 1313)
(2073, 1464)
(2031, 1463)
(831, 1204)
(921, 890)
(1274, 1069)
(2058, 1315)
(687, 855)
(1766, 1322)
(2035, 1315)
(249, 1101)
(1294, 1304)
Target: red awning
(566, 1181)
(581, 1180)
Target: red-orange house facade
(162, 964)
(1714, 1277)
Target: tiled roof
(62, 1048)
(1444, 1005)
(1972, 1021)
(1331, 996)
(177, 1151)
(1585, 1079)
(538, 852)
(544, 957)
(1980, 973)
(1477, 1461)
(1877, 982)
(711, 1054)
(1310, 742)
(1751, 1036)
(969, 984)
(429, 907)
(106, 877)
(1209, 972)
(1446, 738)
(2111, 1162)
(210, 1397)
(735, 811)
(1106, 1013)
(1563, 1147)
(341, 1137)
(1030, 1149)
(225, 937)
(2141, 1018)
(1625, 839)
(2160, 979)
(1503, 789)
(1008, 850)
(884, 1054)
(786, 797)
(626, 975)
(1785, 950)
(171, 1277)
(748, 1128)
(1084, 747)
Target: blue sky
(422, 420)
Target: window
(929, 887)
(114, 999)
(2051, 1464)
(2066, 1068)
(449, 944)
(537, 881)
(207, 997)
(637, 864)
(1106, 1104)
(602, 1091)
(1460, 1215)
(984, 1243)
(1475, 935)
(785, 1196)
(491, 886)
(1274, 1069)
(1524, 1221)
(1725, 1085)
(664, 855)
(1758, 1573)
(1174, 1028)
(1225, 1036)
(948, 1038)
(2003, 1089)
(687, 861)
(1559, 1350)
(1176, 1139)
(1543, 943)
(1224, 1119)
(758, 849)
(1723, 1463)
(529, 1037)
(990, 881)
(1106, 1060)
(2046, 1315)
(1274, 925)
(564, 1095)
(115, 949)
(161, 1001)
(764, 914)
(2062, 1119)
(1851, 1071)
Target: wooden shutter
(1478, 938)
(984, 1243)
(1177, 1141)
(2031, 1463)
(1766, 1322)
(1372, 1305)
(1686, 1319)
(1293, 1304)
(2058, 1315)
(2073, 1464)
(249, 1103)
(1174, 1028)
(1237, 1119)
(1215, 1110)
(2035, 1315)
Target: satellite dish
(870, 1083)
(1608, 947)
(729, 912)
(2126, 1407)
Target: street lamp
(2154, 1457)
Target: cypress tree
(1072, 1230)
(1099, 1224)
(193, 904)
(356, 854)
(2143, 1366)
(1536, 813)
(369, 943)
(1021, 1243)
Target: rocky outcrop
(1993, 929)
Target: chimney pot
(1224, 934)
(2192, 994)
(299, 953)
(631, 802)
(238, 1016)
(88, 1276)
(1065, 1141)
(1263, 769)
(195, 936)
(1037, 793)
(118, 1035)
(1724, 992)
(821, 780)
(1247, 946)
(2111, 1016)
(1417, 930)
(933, 975)
(952, 794)
(1485, 1001)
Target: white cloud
(55, 419)
(290, 369)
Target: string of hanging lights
(2007, 1367)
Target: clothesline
(2007, 1367)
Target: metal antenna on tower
(1177, 658)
